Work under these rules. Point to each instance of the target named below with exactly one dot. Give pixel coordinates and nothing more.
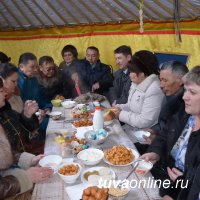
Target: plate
(112, 173)
(135, 153)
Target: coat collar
(144, 85)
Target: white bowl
(68, 104)
(143, 167)
(107, 123)
(52, 161)
(90, 156)
(55, 114)
(140, 135)
(70, 178)
(94, 142)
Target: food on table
(95, 193)
(93, 177)
(118, 192)
(108, 115)
(60, 140)
(80, 111)
(83, 122)
(96, 135)
(119, 155)
(69, 169)
(85, 98)
(59, 97)
(87, 174)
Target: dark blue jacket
(100, 73)
(30, 89)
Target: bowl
(68, 104)
(140, 135)
(56, 102)
(55, 115)
(52, 161)
(96, 137)
(70, 178)
(118, 193)
(143, 167)
(90, 156)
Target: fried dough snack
(69, 169)
(119, 155)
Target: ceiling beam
(32, 12)
(11, 13)
(67, 12)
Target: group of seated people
(163, 100)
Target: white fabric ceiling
(28, 14)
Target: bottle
(98, 119)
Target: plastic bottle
(98, 119)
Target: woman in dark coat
(177, 146)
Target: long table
(54, 187)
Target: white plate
(135, 153)
(82, 130)
(112, 173)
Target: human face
(30, 68)
(122, 60)
(10, 84)
(68, 57)
(137, 79)
(48, 69)
(92, 56)
(2, 97)
(170, 83)
(191, 98)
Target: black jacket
(165, 141)
(121, 87)
(18, 128)
(100, 73)
(170, 106)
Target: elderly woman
(15, 180)
(177, 146)
(145, 96)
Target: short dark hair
(4, 58)
(7, 69)
(125, 50)
(45, 59)
(176, 67)
(25, 57)
(144, 62)
(94, 49)
(70, 48)
(1, 83)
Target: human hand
(75, 77)
(117, 111)
(30, 107)
(166, 197)
(95, 86)
(38, 174)
(42, 115)
(36, 159)
(174, 173)
(152, 157)
(148, 140)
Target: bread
(108, 115)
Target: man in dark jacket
(96, 74)
(122, 82)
